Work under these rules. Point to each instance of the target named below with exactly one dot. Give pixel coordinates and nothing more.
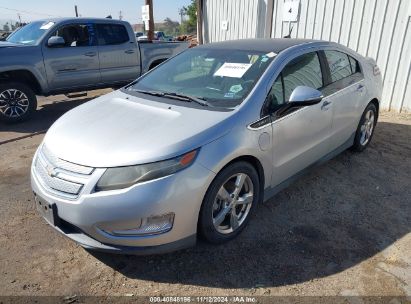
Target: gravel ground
(343, 229)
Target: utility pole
(200, 21)
(150, 32)
(120, 15)
(75, 9)
(181, 12)
(19, 16)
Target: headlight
(123, 177)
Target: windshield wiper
(153, 93)
(199, 100)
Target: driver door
(301, 136)
(76, 64)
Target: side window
(275, 97)
(304, 70)
(76, 35)
(355, 66)
(340, 65)
(110, 34)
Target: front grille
(65, 165)
(58, 176)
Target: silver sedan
(195, 145)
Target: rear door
(301, 136)
(75, 64)
(346, 92)
(118, 52)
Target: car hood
(119, 130)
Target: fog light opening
(157, 224)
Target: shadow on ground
(44, 117)
(337, 216)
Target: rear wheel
(228, 203)
(17, 102)
(365, 129)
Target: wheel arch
(376, 102)
(156, 62)
(253, 161)
(22, 76)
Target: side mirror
(302, 96)
(56, 41)
(305, 96)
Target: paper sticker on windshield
(236, 88)
(271, 54)
(235, 70)
(47, 25)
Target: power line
(27, 12)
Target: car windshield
(222, 78)
(30, 33)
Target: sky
(131, 9)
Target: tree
(6, 27)
(170, 27)
(190, 26)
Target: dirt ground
(343, 229)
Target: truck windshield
(30, 33)
(222, 78)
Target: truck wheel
(17, 102)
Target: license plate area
(47, 210)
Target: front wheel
(17, 102)
(365, 129)
(228, 203)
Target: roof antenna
(291, 30)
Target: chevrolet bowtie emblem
(51, 171)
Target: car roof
(80, 19)
(260, 44)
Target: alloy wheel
(13, 103)
(367, 127)
(232, 203)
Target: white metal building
(375, 28)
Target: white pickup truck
(60, 56)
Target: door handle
(360, 88)
(90, 54)
(325, 104)
(129, 51)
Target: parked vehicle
(195, 145)
(142, 38)
(158, 35)
(67, 55)
(4, 35)
(139, 34)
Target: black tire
(359, 144)
(7, 114)
(206, 228)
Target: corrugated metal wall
(246, 19)
(375, 28)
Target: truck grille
(58, 176)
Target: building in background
(374, 28)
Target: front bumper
(89, 219)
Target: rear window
(109, 34)
(341, 65)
